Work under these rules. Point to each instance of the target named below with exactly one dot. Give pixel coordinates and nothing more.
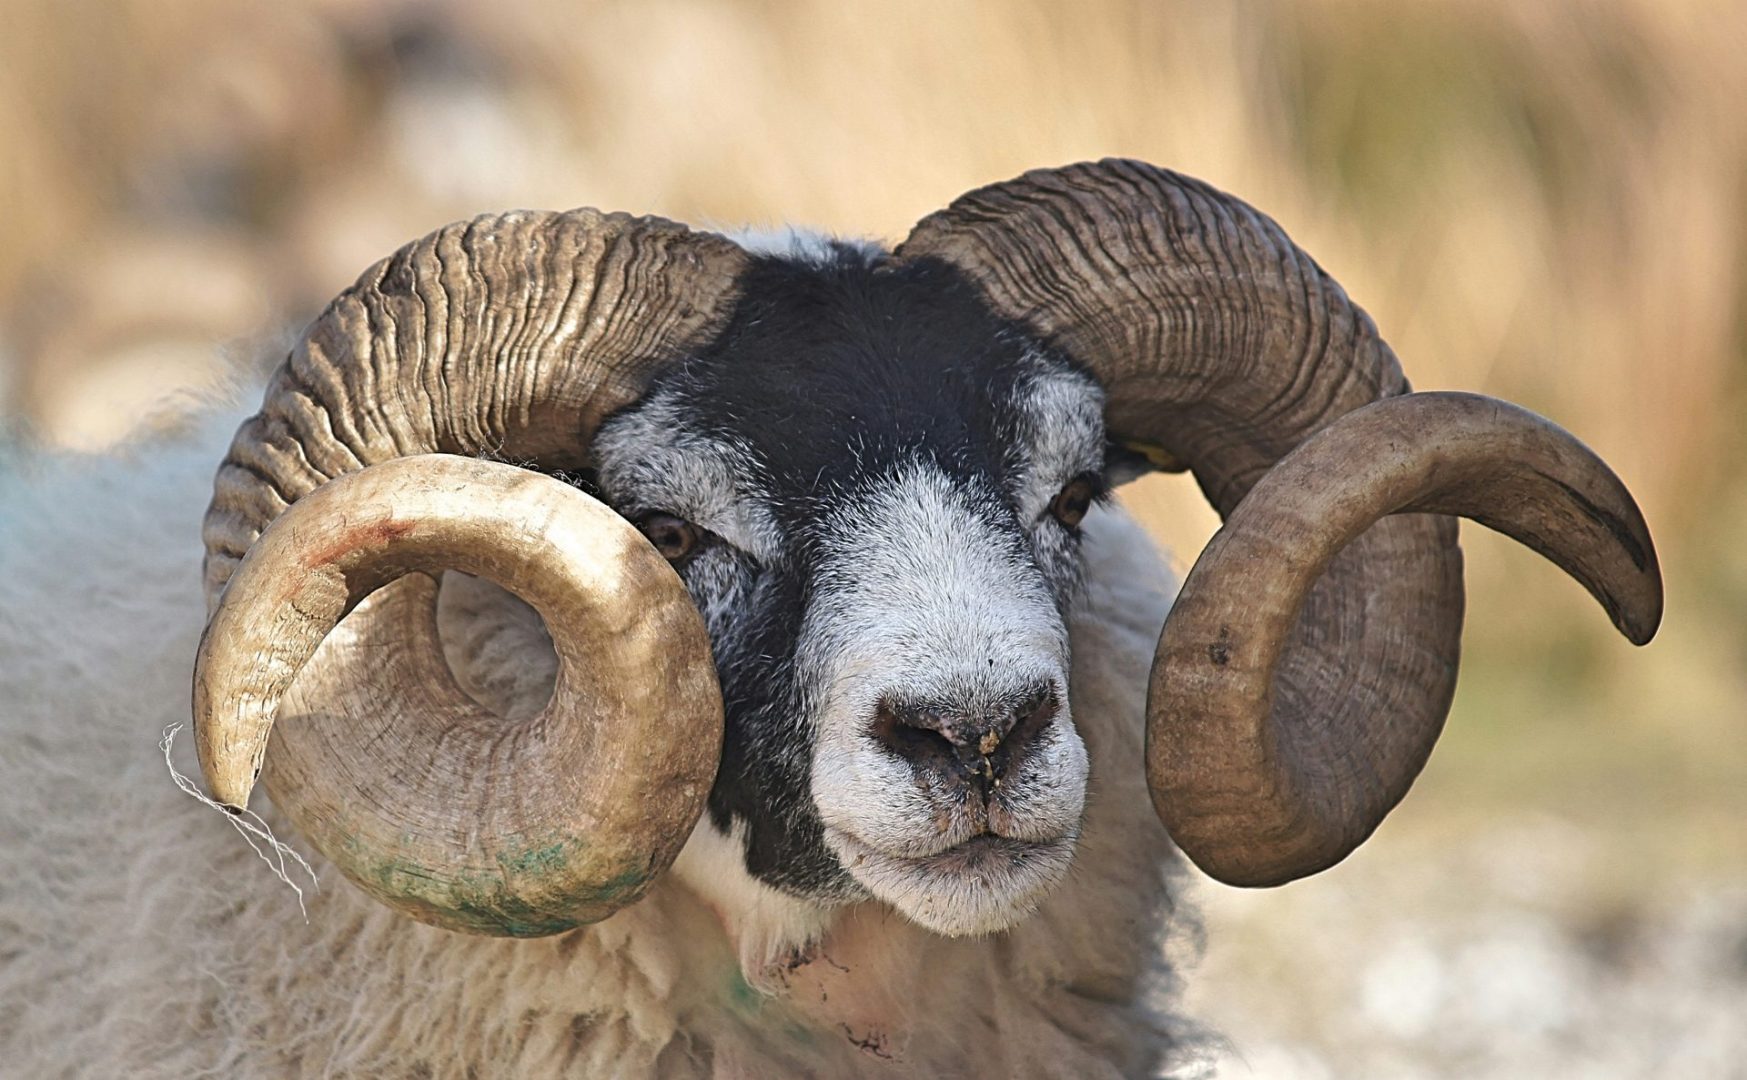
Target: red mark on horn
(374, 534)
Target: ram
(826, 743)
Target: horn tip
(1639, 623)
(229, 770)
(230, 788)
(1636, 607)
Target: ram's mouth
(979, 886)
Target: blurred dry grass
(1539, 201)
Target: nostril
(963, 745)
(911, 734)
(1030, 718)
(1037, 710)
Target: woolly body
(145, 939)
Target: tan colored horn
(1223, 346)
(542, 824)
(1238, 780)
(510, 337)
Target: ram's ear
(1126, 461)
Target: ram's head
(825, 599)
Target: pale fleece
(140, 937)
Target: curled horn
(512, 337)
(1306, 670)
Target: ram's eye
(1071, 502)
(676, 538)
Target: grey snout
(974, 745)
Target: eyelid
(708, 538)
(1094, 479)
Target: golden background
(1542, 201)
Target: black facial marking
(830, 378)
(848, 369)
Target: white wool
(280, 857)
(140, 937)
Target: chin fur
(981, 886)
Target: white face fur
(876, 537)
(921, 598)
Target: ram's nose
(974, 745)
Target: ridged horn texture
(1222, 346)
(1220, 762)
(507, 337)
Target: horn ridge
(1224, 345)
(1236, 772)
(509, 336)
